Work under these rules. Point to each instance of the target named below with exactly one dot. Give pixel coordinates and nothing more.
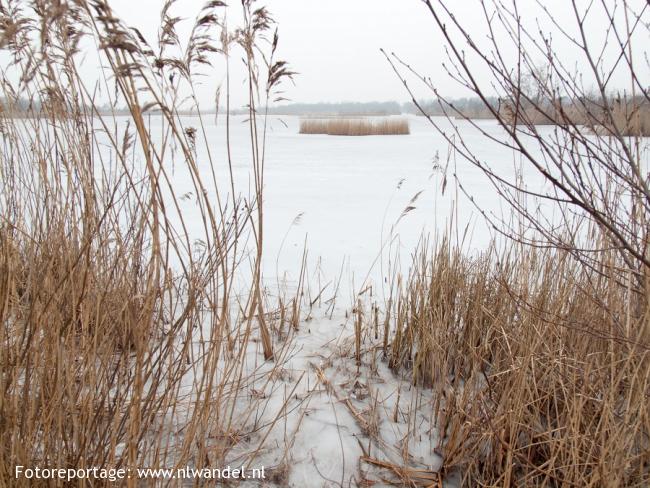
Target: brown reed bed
(626, 118)
(629, 118)
(540, 366)
(355, 127)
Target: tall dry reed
(122, 341)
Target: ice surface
(343, 196)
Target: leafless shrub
(585, 174)
(539, 353)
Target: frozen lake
(344, 196)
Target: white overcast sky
(334, 44)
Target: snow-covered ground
(329, 421)
(333, 423)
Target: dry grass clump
(355, 127)
(541, 366)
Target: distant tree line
(631, 114)
(341, 108)
(20, 105)
(471, 107)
